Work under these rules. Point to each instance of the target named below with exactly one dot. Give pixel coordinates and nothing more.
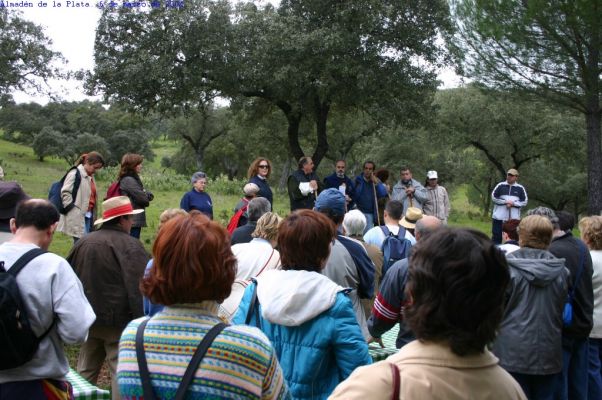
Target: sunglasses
(263, 166)
(511, 175)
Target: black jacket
(298, 200)
(131, 186)
(567, 247)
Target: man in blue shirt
(368, 188)
(338, 180)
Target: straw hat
(116, 207)
(413, 214)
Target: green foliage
(48, 143)
(79, 127)
(303, 58)
(507, 130)
(547, 48)
(25, 55)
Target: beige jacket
(72, 223)
(432, 371)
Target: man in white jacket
(508, 198)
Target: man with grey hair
(390, 299)
(572, 383)
(354, 224)
(257, 207)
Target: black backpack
(54, 194)
(394, 247)
(19, 342)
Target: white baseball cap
(431, 175)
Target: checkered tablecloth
(378, 353)
(84, 390)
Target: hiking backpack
(233, 224)
(114, 190)
(19, 342)
(394, 247)
(54, 194)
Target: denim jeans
(87, 225)
(572, 383)
(536, 387)
(369, 221)
(594, 383)
(496, 231)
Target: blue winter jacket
(319, 353)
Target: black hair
(369, 162)
(35, 212)
(334, 217)
(395, 209)
(566, 220)
(457, 283)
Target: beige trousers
(102, 343)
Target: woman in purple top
(197, 198)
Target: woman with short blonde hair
(535, 232)
(253, 258)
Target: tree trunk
(594, 163)
(286, 171)
(199, 158)
(592, 120)
(294, 120)
(322, 110)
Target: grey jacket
(140, 198)
(530, 335)
(420, 195)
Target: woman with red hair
(193, 272)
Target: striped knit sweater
(240, 363)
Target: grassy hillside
(21, 165)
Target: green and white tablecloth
(84, 390)
(378, 353)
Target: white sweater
(597, 285)
(48, 284)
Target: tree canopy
(25, 55)
(303, 58)
(547, 48)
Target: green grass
(21, 165)
(465, 215)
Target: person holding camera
(409, 191)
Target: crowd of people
(274, 307)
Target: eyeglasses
(511, 175)
(263, 166)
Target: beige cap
(413, 214)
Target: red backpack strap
(233, 224)
(396, 384)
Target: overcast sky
(72, 32)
